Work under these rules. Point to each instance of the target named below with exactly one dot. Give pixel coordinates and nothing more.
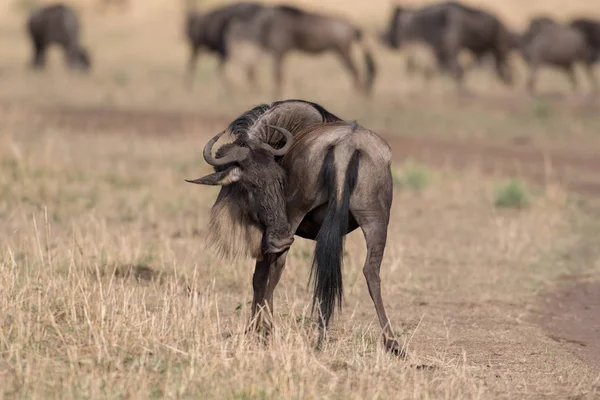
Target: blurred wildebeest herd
(445, 28)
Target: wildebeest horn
(289, 139)
(235, 154)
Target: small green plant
(512, 194)
(542, 109)
(413, 177)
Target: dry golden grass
(87, 201)
(458, 279)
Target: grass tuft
(512, 194)
(413, 177)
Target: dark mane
(327, 116)
(244, 122)
(293, 115)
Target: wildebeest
(546, 42)
(209, 30)
(591, 30)
(450, 27)
(281, 29)
(329, 178)
(57, 24)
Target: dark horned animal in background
(209, 31)
(547, 42)
(56, 24)
(281, 29)
(449, 27)
(333, 178)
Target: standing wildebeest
(57, 23)
(450, 27)
(546, 42)
(329, 178)
(209, 31)
(591, 30)
(281, 29)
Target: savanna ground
(107, 291)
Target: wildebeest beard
(245, 212)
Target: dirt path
(570, 316)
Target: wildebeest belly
(560, 49)
(317, 38)
(310, 225)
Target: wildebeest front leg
(570, 71)
(251, 76)
(589, 68)
(195, 52)
(275, 272)
(346, 58)
(39, 53)
(259, 286)
(267, 274)
(221, 71)
(278, 67)
(533, 71)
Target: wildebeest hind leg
(374, 225)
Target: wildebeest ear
(226, 177)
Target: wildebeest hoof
(394, 347)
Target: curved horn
(236, 154)
(289, 139)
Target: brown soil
(569, 315)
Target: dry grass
(458, 278)
(106, 290)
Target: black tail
(329, 250)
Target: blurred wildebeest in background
(330, 178)
(450, 27)
(591, 30)
(57, 24)
(209, 31)
(281, 29)
(546, 42)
